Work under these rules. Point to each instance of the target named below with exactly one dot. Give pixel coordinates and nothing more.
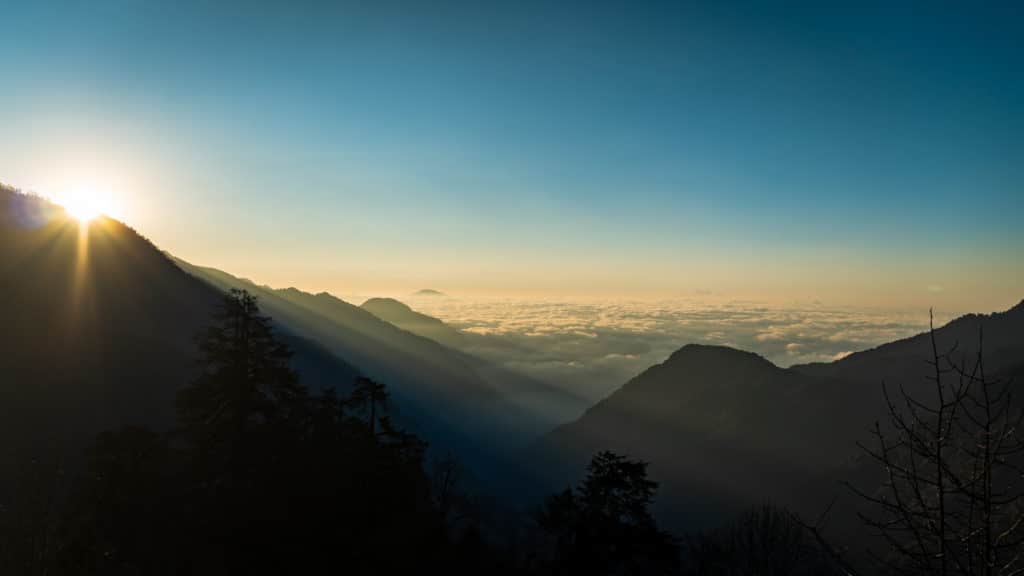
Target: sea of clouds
(596, 346)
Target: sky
(847, 153)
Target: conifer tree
(246, 380)
(605, 525)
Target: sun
(83, 210)
(86, 204)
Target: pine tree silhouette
(366, 398)
(605, 526)
(246, 379)
(242, 418)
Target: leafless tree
(767, 540)
(952, 501)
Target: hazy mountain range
(457, 400)
(100, 326)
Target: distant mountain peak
(387, 303)
(396, 312)
(428, 292)
(715, 353)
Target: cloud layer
(594, 347)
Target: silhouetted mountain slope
(456, 401)
(904, 359)
(99, 328)
(725, 428)
(905, 362)
(550, 403)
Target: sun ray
(83, 204)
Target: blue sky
(852, 152)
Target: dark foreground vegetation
(261, 475)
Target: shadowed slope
(99, 329)
(98, 326)
(705, 419)
(453, 399)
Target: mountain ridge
(707, 415)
